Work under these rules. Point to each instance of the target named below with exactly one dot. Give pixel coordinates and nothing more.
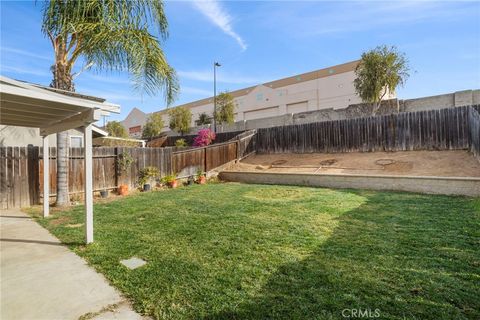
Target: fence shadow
(416, 263)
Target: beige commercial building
(326, 88)
(321, 95)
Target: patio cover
(51, 110)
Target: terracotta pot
(122, 189)
(202, 180)
(173, 184)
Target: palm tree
(110, 35)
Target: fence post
(115, 152)
(205, 158)
(238, 150)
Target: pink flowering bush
(204, 138)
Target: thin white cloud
(26, 53)
(219, 17)
(207, 76)
(356, 16)
(108, 94)
(22, 70)
(109, 78)
(197, 91)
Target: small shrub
(204, 138)
(148, 173)
(170, 178)
(181, 143)
(124, 161)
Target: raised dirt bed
(436, 172)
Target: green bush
(181, 143)
(148, 173)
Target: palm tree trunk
(63, 198)
(62, 79)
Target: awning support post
(46, 177)
(88, 182)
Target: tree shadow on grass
(410, 256)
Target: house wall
(12, 136)
(134, 123)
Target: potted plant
(122, 189)
(171, 180)
(124, 162)
(146, 176)
(201, 178)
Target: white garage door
(263, 113)
(297, 107)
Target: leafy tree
(380, 71)
(180, 119)
(106, 35)
(203, 119)
(154, 126)
(115, 129)
(225, 108)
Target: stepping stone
(133, 263)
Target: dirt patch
(76, 225)
(459, 163)
(279, 162)
(328, 162)
(60, 221)
(384, 162)
(399, 166)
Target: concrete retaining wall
(431, 185)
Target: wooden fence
(442, 129)
(21, 171)
(187, 162)
(246, 143)
(18, 176)
(21, 168)
(474, 122)
(106, 173)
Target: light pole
(215, 65)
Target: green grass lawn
(233, 251)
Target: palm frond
(114, 35)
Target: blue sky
(261, 41)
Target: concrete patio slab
(43, 279)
